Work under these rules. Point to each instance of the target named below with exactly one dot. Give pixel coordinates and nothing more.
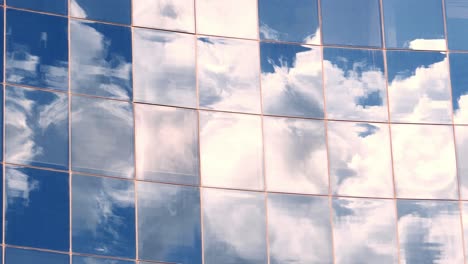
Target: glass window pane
(37, 50)
(424, 161)
(57, 6)
(461, 140)
(231, 150)
(291, 80)
(292, 21)
(36, 128)
(167, 144)
(457, 24)
(429, 232)
(102, 137)
(459, 80)
(101, 59)
(234, 227)
(91, 260)
(227, 18)
(355, 84)
(23, 256)
(360, 159)
(169, 223)
(295, 155)
(103, 216)
(464, 207)
(354, 23)
(37, 208)
(114, 11)
(365, 231)
(415, 24)
(176, 15)
(228, 74)
(418, 87)
(164, 68)
(299, 229)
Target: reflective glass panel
(91, 260)
(101, 59)
(103, 216)
(102, 137)
(227, 18)
(418, 87)
(228, 74)
(56, 6)
(234, 227)
(457, 24)
(424, 161)
(37, 208)
(36, 128)
(167, 144)
(114, 11)
(464, 206)
(169, 223)
(292, 21)
(299, 229)
(165, 14)
(164, 67)
(291, 80)
(461, 140)
(37, 49)
(23, 256)
(295, 155)
(459, 80)
(429, 232)
(364, 231)
(355, 84)
(360, 159)
(414, 24)
(354, 23)
(231, 150)
(2, 20)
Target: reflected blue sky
(91, 260)
(114, 11)
(459, 80)
(36, 128)
(299, 229)
(291, 77)
(165, 14)
(23, 256)
(429, 232)
(234, 227)
(418, 87)
(57, 6)
(37, 208)
(291, 21)
(228, 74)
(103, 216)
(102, 137)
(101, 59)
(414, 24)
(37, 50)
(164, 68)
(351, 23)
(355, 85)
(457, 24)
(169, 223)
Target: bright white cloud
(166, 14)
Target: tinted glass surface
(103, 211)
(37, 50)
(459, 81)
(56, 6)
(101, 61)
(461, 136)
(164, 68)
(457, 24)
(23, 256)
(291, 80)
(176, 15)
(114, 11)
(37, 213)
(36, 128)
(102, 137)
(91, 260)
(292, 21)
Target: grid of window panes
(234, 132)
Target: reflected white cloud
(461, 137)
(76, 10)
(231, 150)
(360, 159)
(19, 186)
(228, 74)
(427, 44)
(165, 14)
(295, 155)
